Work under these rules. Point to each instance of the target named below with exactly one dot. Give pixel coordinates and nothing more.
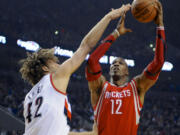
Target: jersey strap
(137, 103)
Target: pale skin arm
(144, 83)
(95, 87)
(90, 40)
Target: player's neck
(120, 81)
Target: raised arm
(150, 75)
(93, 68)
(90, 40)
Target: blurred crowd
(160, 114)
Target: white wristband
(117, 32)
(160, 28)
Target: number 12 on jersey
(116, 110)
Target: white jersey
(46, 110)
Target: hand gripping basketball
(159, 18)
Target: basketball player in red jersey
(117, 104)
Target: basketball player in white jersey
(46, 107)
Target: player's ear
(45, 68)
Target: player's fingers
(127, 6)
(158, 5)
(121, 20)
(123, 16)
(122, 7)
(128, 30)
(118, 24)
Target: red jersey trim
(55, 87)
(68, 112)
(137, 94)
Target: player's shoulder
(43, 81)
(106, 83)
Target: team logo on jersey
(116, 94)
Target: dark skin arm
(95, 87)
(144, 83)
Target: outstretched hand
(159, 18)
(121, 27)
(116, 13)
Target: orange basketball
(144, 10)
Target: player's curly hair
(31, 69)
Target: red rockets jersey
(118, 110)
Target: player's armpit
(95, 88)
(143, 85)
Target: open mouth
(115, 69)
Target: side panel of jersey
(118, 110)
(46, 110)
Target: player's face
(118, 67)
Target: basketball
(144, 10)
